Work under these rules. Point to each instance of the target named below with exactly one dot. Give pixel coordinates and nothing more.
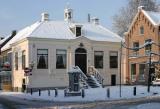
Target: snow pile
(91, 94)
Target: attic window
(69, 15)
(141, 30)
(78, 31)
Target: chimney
(89, 18)
(141, 8)
(1, 38)
(95, 20)
(14, 32)
(68, 14)
(44, 17)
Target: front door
(113, 80)
(81, 59)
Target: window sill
(99, 68)
(42, 68)
(60, 68)
(114, 68)
(141, 34)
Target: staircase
(83, 78)
(92, 79)
(92, 82)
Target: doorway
(81, 59)
(113, 80)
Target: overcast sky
(16, 14)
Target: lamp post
(149, 74)
(120, 86)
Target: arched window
(141, 30)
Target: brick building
(145, 27)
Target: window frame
(135, 52)
(142, 68)
(141, 30)
(23, 59)
(147, 47)
(133, 71)
(78, 29)
(65, 62)
(41, 55)
(16, 60)
(95, 62)
(111, 67)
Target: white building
(50, 48)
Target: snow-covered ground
(91, 94)
(147, 106)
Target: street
(16, 103)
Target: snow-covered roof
(61, 30)
(154, 17)
(21, 35)
(5, 38)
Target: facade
(49, 48)
(144, 28)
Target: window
(23, 59)
(69, 15)
(61, 59)
(141, 30)
(16, 60)
(133, 71)
(114, 59)
(148, 47)
(42, 58)
(98, 59)
(141, 71)
(78, 31)
(6, 79)
(135, 45)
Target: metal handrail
(93, 71)
(83, 77)
(82, 72)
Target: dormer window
(78, 31)
(141, 30)
(69, 15)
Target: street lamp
(120, 71)
(149, 74)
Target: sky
(17, 14)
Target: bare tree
(123, 19)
